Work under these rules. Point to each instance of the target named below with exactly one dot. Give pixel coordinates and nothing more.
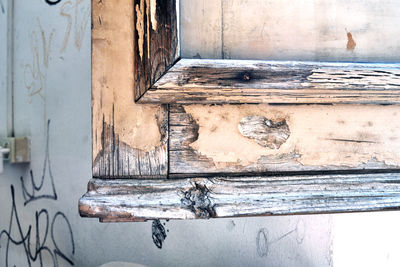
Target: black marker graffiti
(158, 233)
(42, 221)
(36, 188)
(53, 2)
(2, 7)
(39, 247)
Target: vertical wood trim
(156, 43)
(129, 140)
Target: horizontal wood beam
(250, 81)
(137, 200)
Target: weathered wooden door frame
(132, 184)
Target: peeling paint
(158, 233)
(264, 132)
(148, 27)
(140, 26)
(338, 135)
(153, 11)
(351, 44)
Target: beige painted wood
(316, 30)
(209, 139)
(129, 140)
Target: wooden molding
(249, 81)
(139, 200)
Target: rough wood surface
(129, 140)
(132, 200)
(265, 132)
(245, 81)
(213, 139)
(156, 45)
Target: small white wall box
(15, 150)
(19, 150)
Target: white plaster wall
(52, 83)
(3, 68)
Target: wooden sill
(137, 200)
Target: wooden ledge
(243, 81)
(138, 200)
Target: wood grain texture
(116, 159)
(265, 132)
(208, 139)
(129, 140)
(156, 43)
(132, 200)
(242, 81)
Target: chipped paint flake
(140, 26)
(264, 132)
(153, 11)
(351, 44)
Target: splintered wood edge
(139, 200)
(192, 81)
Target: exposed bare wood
(265, 132)
(244, 81)
(210, 139)
(118, 160)
(156, 41)
(114, 200)
(129, 140)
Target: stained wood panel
(263, 138)
(156, 43)
(135, 200)
(129, 140)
